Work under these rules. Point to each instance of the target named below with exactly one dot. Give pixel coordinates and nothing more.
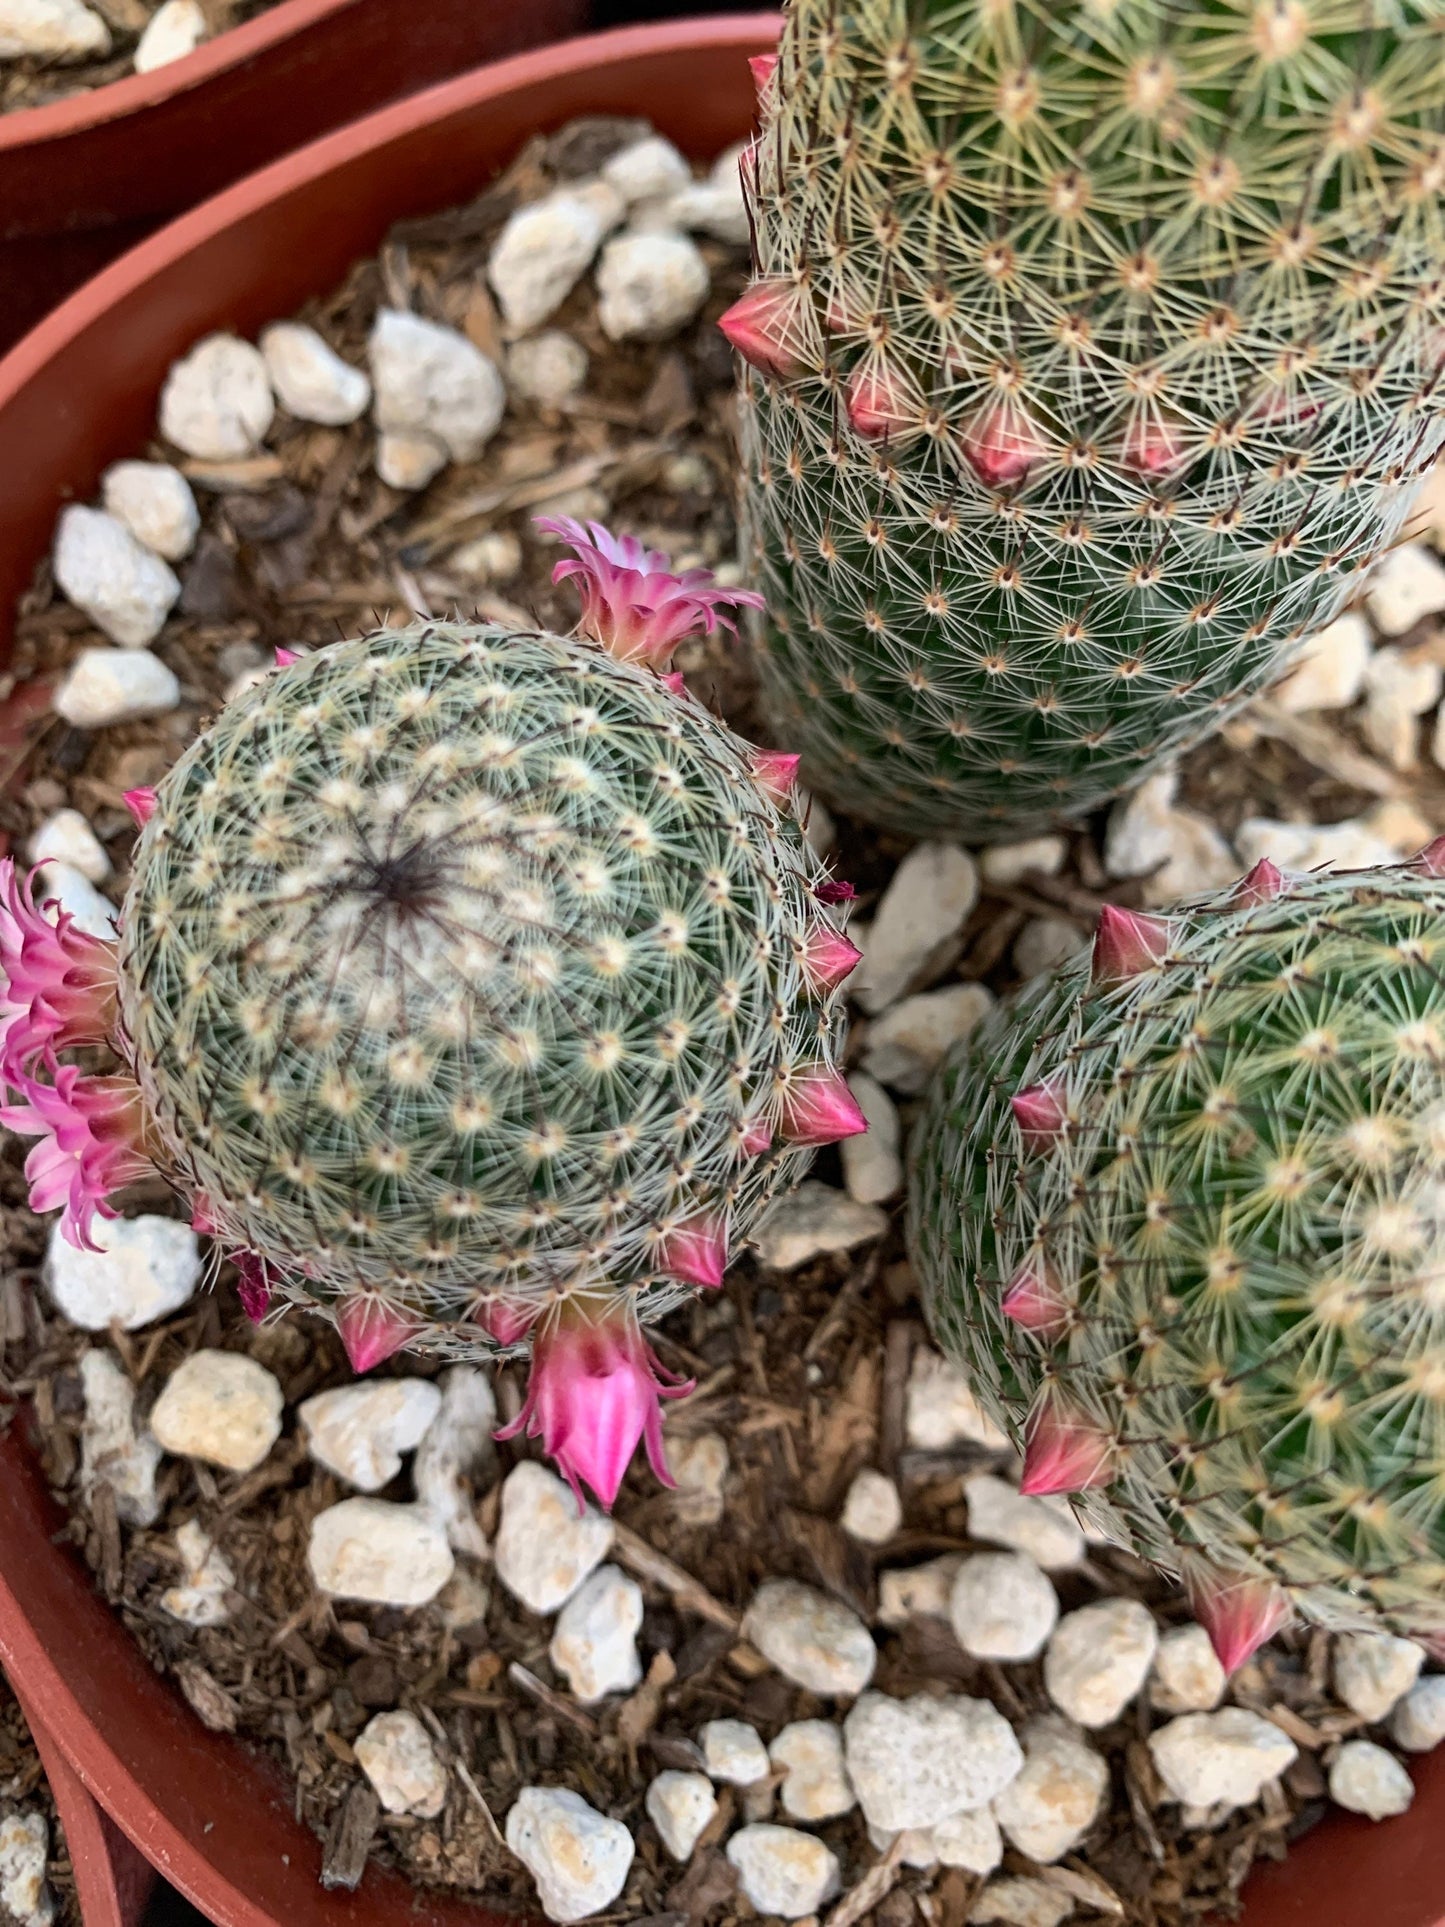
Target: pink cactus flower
(1034, 1298)
(1264, 883)
(818, 1108)
(57, 985)
(372, 1329)
(1040, 1111)
(834, 890)
(631, 603)
(285, 657)
(766, 326)
(142, 805)
(1127, 943)
(827, 957)
(253, 1284)
(878, 402)
(594, 1393)
(203, 1217)
(1238, 1611)
(90, 1145)
(775, 771)
(1003, 444)
(1064, 1451)
(674, 682)
(694, 1251)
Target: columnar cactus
(473, 987)
(1180, 1212)
(1093, 353)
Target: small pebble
(495, 557)
(1398, 691)
(1223, 1758)
(1021, 1903)
(1044, 943)
(1366, 1779)
(1330, 670)
(732, 1751)
(594, 1644)
(142, 1269)
(67, 838)
(155, 503)
(1187, 1676)
(1045, 1529)
(968, 1840)
(812, 1639)
(360, 1432)
(1054, 1801)
(545, 1548)
(174, 30)
(1406, 586)
(1349, 845)
(548, 369)
(392, 1555)
(649, 286)
(915, 930)
(456, 1448)
(783, 1872)
(1002, 1606)
(1418, 1722)
(578, 1857)
(907, 1043)
(73, 894)
(915, 1762)
(1374, 1671)
(872, 1167)
(116, 686)
(1098, 1659)
(125, 589)
(1005, 863)
(408, 458)
(24, 1856)
(680, 1805)
(222, 1407)
(647, 169)
(433, 380)
(872, 1511)
(58, 30)
(1180, 852)
(917, 1592)
(216, 403)
(699, 1465)
(814, 1219)
(311, 380)
(112, 1451)
(941, 1410)
(207, 1577)
(811, 1754)
(540, 255)
(709, 207)
(396, 1754)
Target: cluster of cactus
(1181, 1211)
(1093, 355)
(474, 988)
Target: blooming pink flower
(1064, 1451)
(762, 68)
(372, 1328)
(631, 602)
(1238, 1610)
(57, 985)
(90, 1144)
(695, 1251)
(818, 1108)
(595, 1391)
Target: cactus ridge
(1224, 1214)
(1095, 353)
(457, 965)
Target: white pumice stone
(1418, 1722)
(579, 1858)
(649, 286)
(1045, 1528)
(1002, 1606)
(872, 1511)
(1366, 1779)
(67, 838)
(431, 380)
(360, 1432)
(733, 1751)
(396, 1754)
(1098, 1659)
(915, 1762)
(542, 253)
(594, 1644)
(217, 404)
(817, 1786)
(312, 382)
(175, 29)
(104, 686)
(391, 1555)
(680, 1805)
(783, 1872)
(155, 503)
(142, 1270)
(1046, 1811)
(125, 588)
(207, 1577)
(113, 1451)
(1374, 1671)
(812, 1220)
(222, 1407)
(545, 1548)
(812, 1639)
(916, 924)
(1223, 1758)
(1187, 1675)
(941, 1410)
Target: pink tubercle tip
(1003, 445)
(1040, 1111)
(755, 1137)
(253, 1284)
(765, 325)
(694, 1251)
(594, 1394)
(372, 1330)
(505, 1323)
(818, 1108)
(762, 67)
(1238, 1611)
(826, 958)
(285, 658)
(203, 1216)
(1034, 1298)
(877, 402)
(142, 805)
(1152, 445)
(1127, 943)
(1064, 1451)
(1263, 883)
(834, 890)
(674, 682)
(775, 771)
(1431, 860)
(632, 603)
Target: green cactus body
(469, 969)
(1197, 1213)
(1095, 347)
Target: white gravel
(594, 1644)
(1002, 1606)
(1366, 1779)
(783, 1872)
(222, 1407)
(155, 503)
(392, 1555)
(812, 1638)
(396, 1754)
(544, 1548)
(1219, 1759)
(578, 1857)
(915, 929)
(313, 382)
(915, 1762)
(1098, 1659)
(216, 404)
(360, 1432)
(142, 1270)
(124, 587)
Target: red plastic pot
(81, 391)
(83, 179)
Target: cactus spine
(1093, 354)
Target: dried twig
(877, 1882)
(476, 1792)
(1326, 749)
(689, 1593)
(554, 1702)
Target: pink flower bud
(1064, 1451)
(818, 1108)
(1127, 943)
(372, 1329)
(694, 1251)
(762, 67)
(1003, 444)
(775, 772)
(827, 957)
(1431, 860)
(253, 1284)
(1034, 1298)
(141, 803)
(1152, 445)
(1262, 884)
(674, 682)
(1039, 1111)
(765, 325)
(834, 890)
(505, 1323)
(285, 658)
(1238, 1610)
(877, 401)
(202, 1215)
(755, 1136)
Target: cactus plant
(1092, 356)
(474, 987)
(1178, 1211)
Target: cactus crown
(1094, 352)
(1179, 1210)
